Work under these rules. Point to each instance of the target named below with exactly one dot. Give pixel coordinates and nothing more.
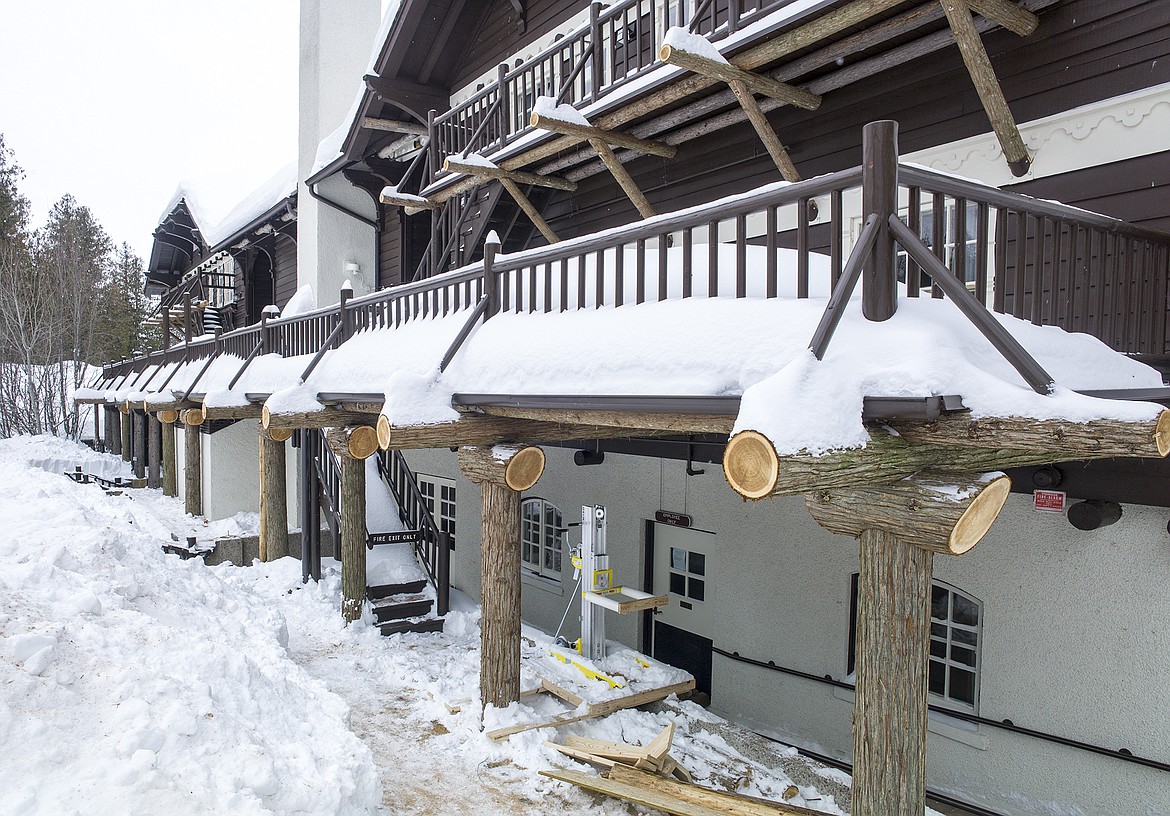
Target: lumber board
(632, 793)
(726, 802)
(617, 751)
(560, 692)
(584, 756)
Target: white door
(685, 569)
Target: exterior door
(685, 570)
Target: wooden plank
(560, 692)
(632, 793)
(617, 751)
(725, 802)
(584, 756)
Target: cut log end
(168, 416)
(979, 516)
(280, 434)
(124, 408)
(664, 52)
(362, 442)
(751, 465)
(1162, 433)
(194, 417)
(524, 469)
(383, 432)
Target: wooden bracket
(623, 178)
(1007, 14)
(725, 71)
(987, 85)
(771, 141)
(489, 171)
(611, 137)
(529, 209)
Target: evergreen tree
(13, 206)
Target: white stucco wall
(1076, 632)
(232, 454)
(336, 38)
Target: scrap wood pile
(651, 777)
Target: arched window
(956, 635)
(540, 538)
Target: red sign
(673, 519)
(1049, 501)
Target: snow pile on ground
(134, 682)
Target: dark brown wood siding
(285, 273)
(1135, 190)
(498, 36)
(389, 247)
(1084, 51)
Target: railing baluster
(640, 272)
(687, 262)
(982, 228)
(836, 227)
(802, 249)
(1039, 290)
(1022, 220)
(914, 222)
(619, 275)
(713, 259)
(532, 289)
(599, 280)
(663, 282)
(770, 263)
(960, 239)
(741, 256)
(581, 263)
(938, 212)
(564, 284)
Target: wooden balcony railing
(617, 45)
(1041, 261)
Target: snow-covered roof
(202, 217)
(276, 189)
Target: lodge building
(494, 162)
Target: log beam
(772, 143)
(624, 180)
(413, 204)
(1096, 439)
(325, 417)
(941, 514)
(192, 470)
(273, 499)
(394, 126)
(987, 85)
(635, 422)
(610, 137)
(726, 72)
(1007, 14)
(482, 429)
(529, 209)
(755, 471)
(488, 172)
(249, 411)
(501, 473)
(360, 442)
(353, 537)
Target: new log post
(502, 473)
(273, 498)
(170, 478)
(192, 470)
(900, 526)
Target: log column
(124, 432)
(900, 526)
(138, 426)
(273, 496)
(153, 450)
(353, 537)
(502, 474)
(192, 471)
(169, 460)
(114, 430)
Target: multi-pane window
(688, 574)
(956, 629)
(953, 236)
(439, 495)
(541, 526)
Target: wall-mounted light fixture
(588, 457)
(1093, 514)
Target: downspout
(312, 188)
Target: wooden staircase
(406, 607)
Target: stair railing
(433, 545)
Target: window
(541, 526)
(439, 495)
(956, 628)
(688, 574)
(953, 236)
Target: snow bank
(135, 682)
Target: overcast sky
(118, 101)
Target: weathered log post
(879, 196)
(353, 447)
(192, 469)
(502, 473)
(170, 478)
(138, 424)
(124, 431)
(114, 429)
(900, 526)
(153, 451)
(97, 428)
(273, 497)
